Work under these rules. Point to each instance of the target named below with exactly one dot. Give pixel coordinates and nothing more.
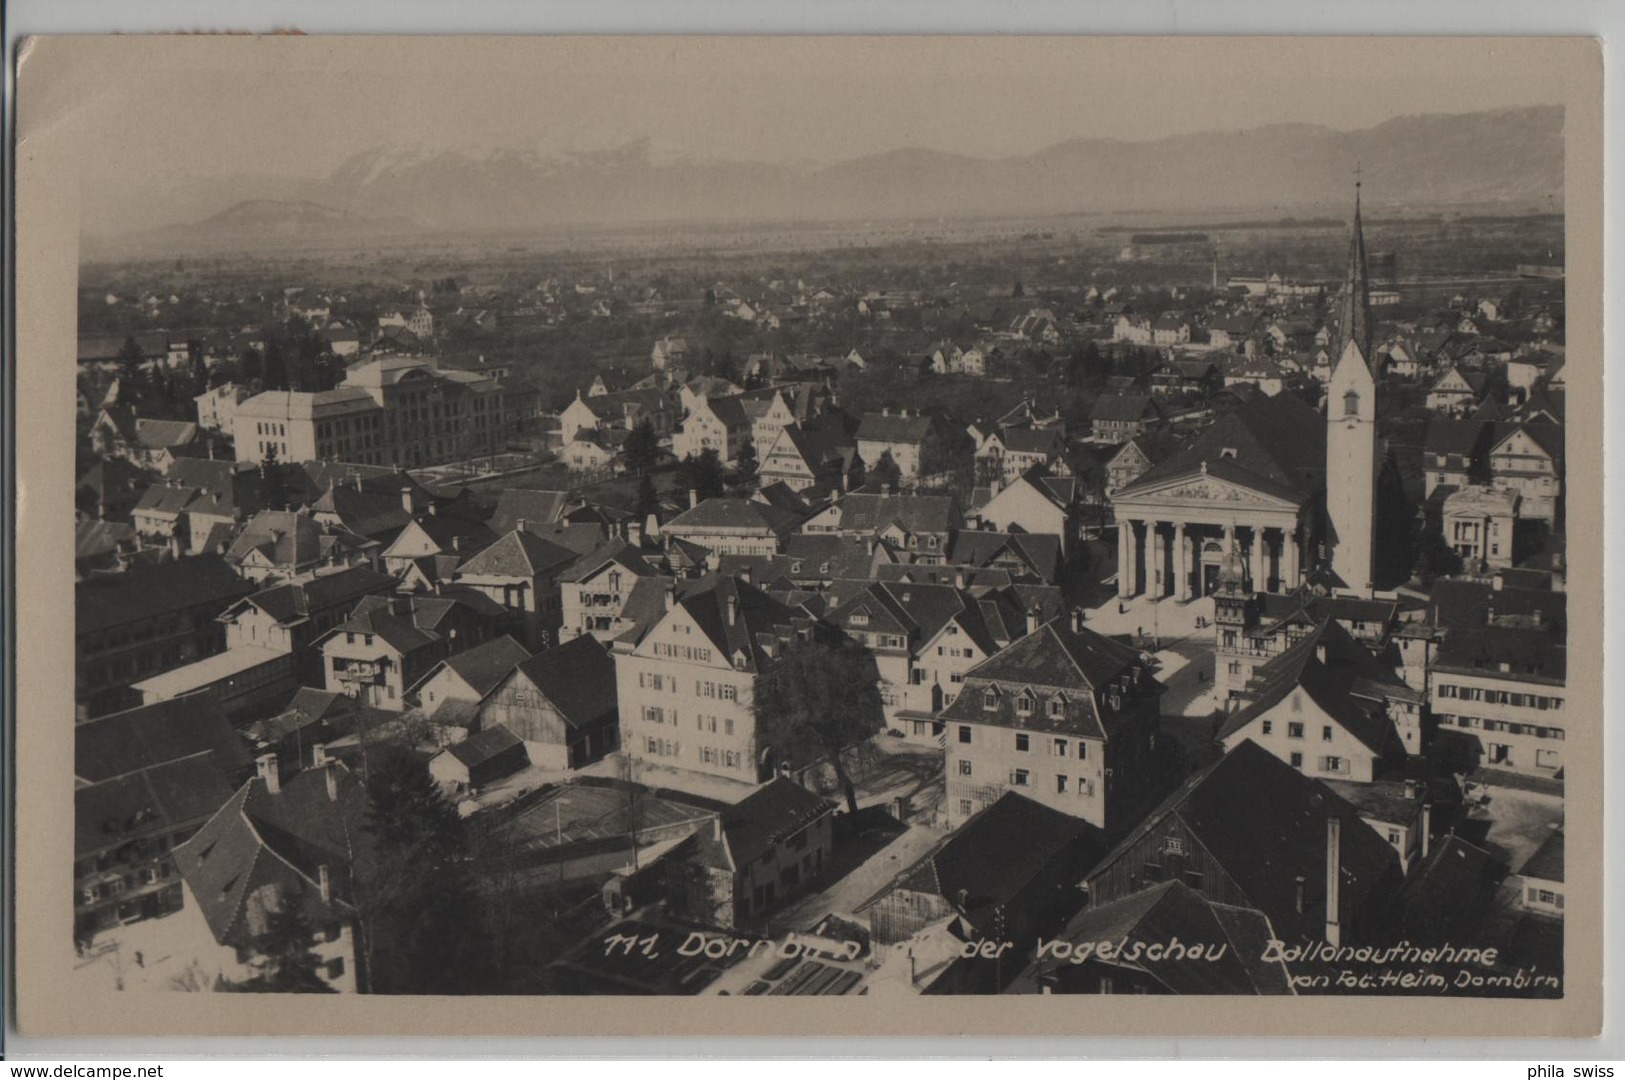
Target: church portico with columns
(1252, 483)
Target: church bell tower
(1351, 428)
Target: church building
(1286, 488)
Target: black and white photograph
(842, 518)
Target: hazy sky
(280, 106)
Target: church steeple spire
(1354, 322)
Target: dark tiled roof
(135, 739)
(994, 856)
(1547, 861)
(291, 602)
(757, 823)
(1123, 408)
(758, 616)
(263, 850)
(518, 554)
(1172, 910)
(863, 511)
(1276, 445)
(150, 802)
(1349, 684)
(1054, 660)
(893, 428)
(532, 507)
(726, 513)
(483, 746)
(484, 666)
(147, 591)
(1264, 824)
(578, 677)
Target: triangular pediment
(1206, 488)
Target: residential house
(919, 526)
(561, 703)
(1329, 709)
(1064, 716)
(908, 438)
(1528, 460)
(1116, 418)
(299, 844)
(1008, 874)
(389, 643)
(435, 534)
(1497, 678)
(145, 441)
(820, 455)
(484, 757)
(1008, 452)
(280, 545)
(1031, 558)
(145, 620)
(1032, 502)
(217, 407)
(1456, 392)
(924, 639)
(686, 689)
(733, 526)
(764, 850)
(596, 592)
(719, 424)
(1250, 831)
(144, 780)
(623, 410)
(1541, 877)
(465, 678)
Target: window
(1057, 707)
(1269, 726)
(1333, 764)
(1351, 404)
(1020, 778)
(964, 767)
(1060, 748)
(1297, 761)
(1326, 733)
(990, 699)
(1393, 837)
(1024, 703)
(964, 808)
(1023, 743)
(1174, 845)
(1060, 785)
(1083, 751)
(964, 733)
(1294, 731)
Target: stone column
(1289, 554)
(1259, 580)
(1182, 566)
(1125, 558)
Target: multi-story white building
(394, 411)
(686, 690)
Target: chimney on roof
(716, 828)
(671, 593)
(318, 755)
(1320, 652)
(270, 772)
(324, 883)
(744, 573)
(401, 606)
(1077, 620)
(1297, 893)
(959, 577)
(1489, 615)
(1334, 879)
(175, 546)
(885, 410)
(330, 773)
(693, 497)
(1032, 620)
(1498, 581)
(1427, 829)
(406, 496)
(1410, 789)
(457, 545)
(733, 609)
(433, 509)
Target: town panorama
(1080, 604)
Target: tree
(642, 447)
(131, 370)
(276, 366)
(417, 895)
(648, 499)
(251, 365)
(291, 967)
(745, 463)
(820, 703)
(702, 474)
(886, 473)
(1435, 558)
(273, 493)
(1018, 292)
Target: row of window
(1503, 726)
(1294, 730)
(1499, 697)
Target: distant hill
(1506, 157)
(272, 218)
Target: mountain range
(1511, 157)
